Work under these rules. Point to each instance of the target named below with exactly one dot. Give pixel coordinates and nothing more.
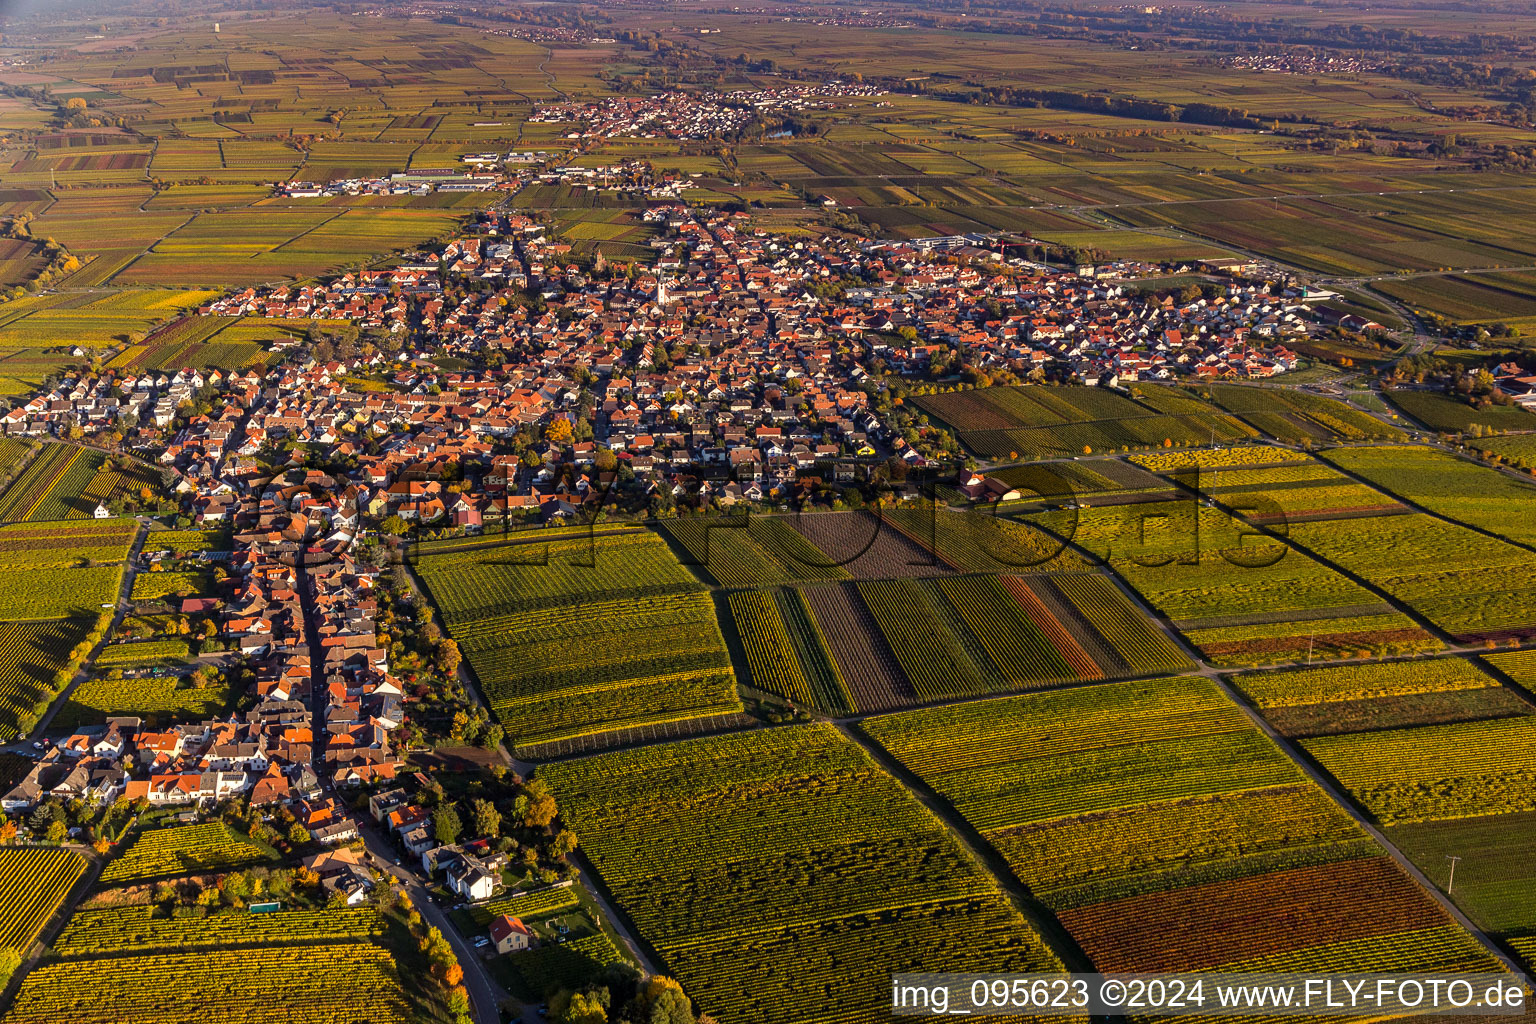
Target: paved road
(120, 609)
(484, 995)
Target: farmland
(259, 986)
(1494, 880)
(582, 636)
(1353, 698)
(33, 884)
(184, 849)
(1471, 586)
(1038, 423)
(159, 700)
(1165, 831)
(725, 854)
(1460, 770)
(1449, 486)
(140, 927)
(1240, 604)
(1450, 414)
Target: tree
(57, 831)
(491, 738)
(487, 818)
(563, 843)
(663, 1002)
(448, 657)
(584, 1008)
(298, 834)
(541, 808)
(75, 105)
(446, 825)
(558, 431)
(394, 526)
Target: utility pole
(1450, 884)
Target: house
(510, 934)
(471, 878)
(102, 512)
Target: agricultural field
(1495, 879)
(1436, 772)
(1473, 587)
(1292, 492)
(1392, 695)
(33, 885)
(185, 850)
(1452, 414)
(259, 986)
(750, 551)
(160, 586)
(187, 542)
(159, 700)
(1166, 832)
(1297, 417)
(1518, 450)
(582, 636)
(120, 928)
(1448, 486)
(900, 641)
(1015, 423)
(785, 852)
(785, 651)
(33, 656)
(1261, 602)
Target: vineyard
(137, 927)
(29, 490)
(159, 700)
(529, 906)
(57, 593)
(1280, 494)
(157, 586)
(1496, 886)
(185, 850)
(63, 545)
(1039, 423)
(148, 652)
(281, 985)
(187, 542)
(785, 853)
(1361, 682)
(1354, 698)
(741, 551)
(33, 884)
(1469, 585)
(1460, 770)
(584, 636)
(1449, 486)
(31, 656)
(1244, 457)
(551, 967)
(1298, 417)
(1162, 828)
(1243, 603)
(785, 651)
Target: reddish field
(868, 548)
(875, 681)
(1323, 643)
(1066, 645)
(1223, 922)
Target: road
(485, 996)
(125, 590)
